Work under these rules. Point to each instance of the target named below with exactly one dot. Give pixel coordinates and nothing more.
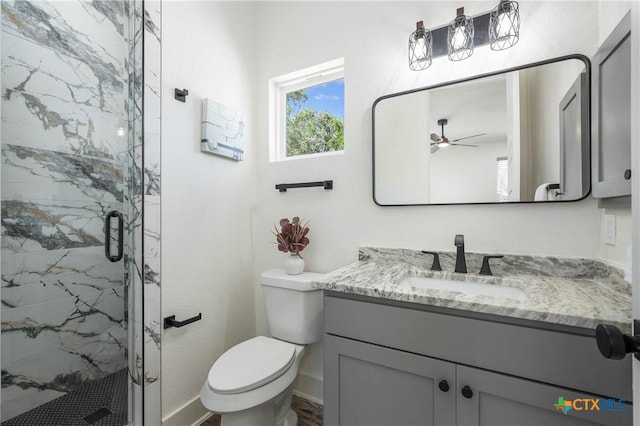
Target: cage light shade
(504, 25)
(420, 48)
(460, 37)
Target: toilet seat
(251, 364)
(234, 403)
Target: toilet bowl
(251, 374)
(251, 383)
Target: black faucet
(435, 266)
(485, 269)
(461, 264)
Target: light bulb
(460, 36)
(458, 40)
(504, 23)
(420, 48)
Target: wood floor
(309, 413)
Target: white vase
(294, 265)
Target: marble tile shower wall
(151, 191)
(65, 87)
(134, 267)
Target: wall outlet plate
(609, 229)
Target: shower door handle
(107, 236)
(615, 345)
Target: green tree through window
(310, 129)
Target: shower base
(102, 402)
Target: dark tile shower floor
(102, 402)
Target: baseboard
(192, 413)
(309, 387)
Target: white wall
(206, 200)
(402, 155)
(372, 37)
(546, 87)
(466, 173)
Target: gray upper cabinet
(611, 114)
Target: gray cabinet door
(575, 175)
(371, 385)
(611, 114)
(504, 400)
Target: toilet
(251, 383)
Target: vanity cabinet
(611, 110)
(498, 399)
(372, 385)
(402, 364)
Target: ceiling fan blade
(464, 144)
(434, 148)
(435, 137)
(468, 137)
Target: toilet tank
(294, 308)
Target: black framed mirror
(520, 135)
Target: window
(307, 116)
(502, 178)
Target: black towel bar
(171, 321)
(326, 184)
(180, 95)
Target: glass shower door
(67, 177)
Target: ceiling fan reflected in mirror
(442, 141)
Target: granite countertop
(573, 292)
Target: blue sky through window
(327, 97)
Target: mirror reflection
(515, 136)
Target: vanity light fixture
(420, 48)
(460, 37)
(499, 28)
(504, 25)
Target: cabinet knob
(444, 386)
(467, 392)
(613, 344)
(627, 174)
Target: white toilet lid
(251, 364)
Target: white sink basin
(470, 288)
